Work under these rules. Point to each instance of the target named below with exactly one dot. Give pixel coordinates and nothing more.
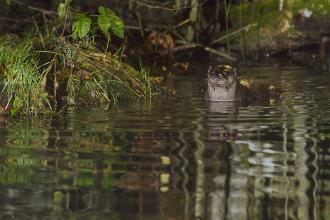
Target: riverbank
(82, 53)
(42, 74)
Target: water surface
(176, 158)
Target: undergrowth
(22, 81)
(43, 74)
(46, 72)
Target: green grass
(39, 71)
(22, 83)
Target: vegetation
(46, 72)
(178, 158)
(75, 55)
(22, 83)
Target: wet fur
(222, 87)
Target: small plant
(107, 21)
(51, 71)
(23, 85)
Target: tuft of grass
(23, 87)
(43, 73)
(111, 79)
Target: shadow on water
(176, 157)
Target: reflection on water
(176, 157)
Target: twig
(162, 6)
(219, 53)
(16, 20)
(196, 45)
(180, 48)
(186, 21)
(44, 11)
(234, 33)
(131, 27)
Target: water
(176, 158)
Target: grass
(39, 71)
(112, 79)
(22, 83)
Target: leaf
(61, 10)
(8, 2)
(104, 24)
(81, 26)
(105, 11)
(117, 26)
(109, 20)
(17, 106)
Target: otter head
(222, 83)
(222, 76)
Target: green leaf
(104, 24)
(61, 10)
(81, 26)
(102, 10)
(8, 2)
(109, 20)
(17, 106)
(105, 11)
(58, 197)
(117, 26)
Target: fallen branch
(43, 11)
(179, 48)
(246, 28)
(16, 20)
(163, 6)
(187, 46)
(219, 53)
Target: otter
(223, 85)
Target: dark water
(176, 157)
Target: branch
(161, 6)
(219, 53)
(187, 46)
(43, 11)
(246, 28)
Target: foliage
(107, 78)
(64, 67)
(64, 9)
(82, 26)
(23, 85)
(106, 20)
(85, 75)
(40, 71)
